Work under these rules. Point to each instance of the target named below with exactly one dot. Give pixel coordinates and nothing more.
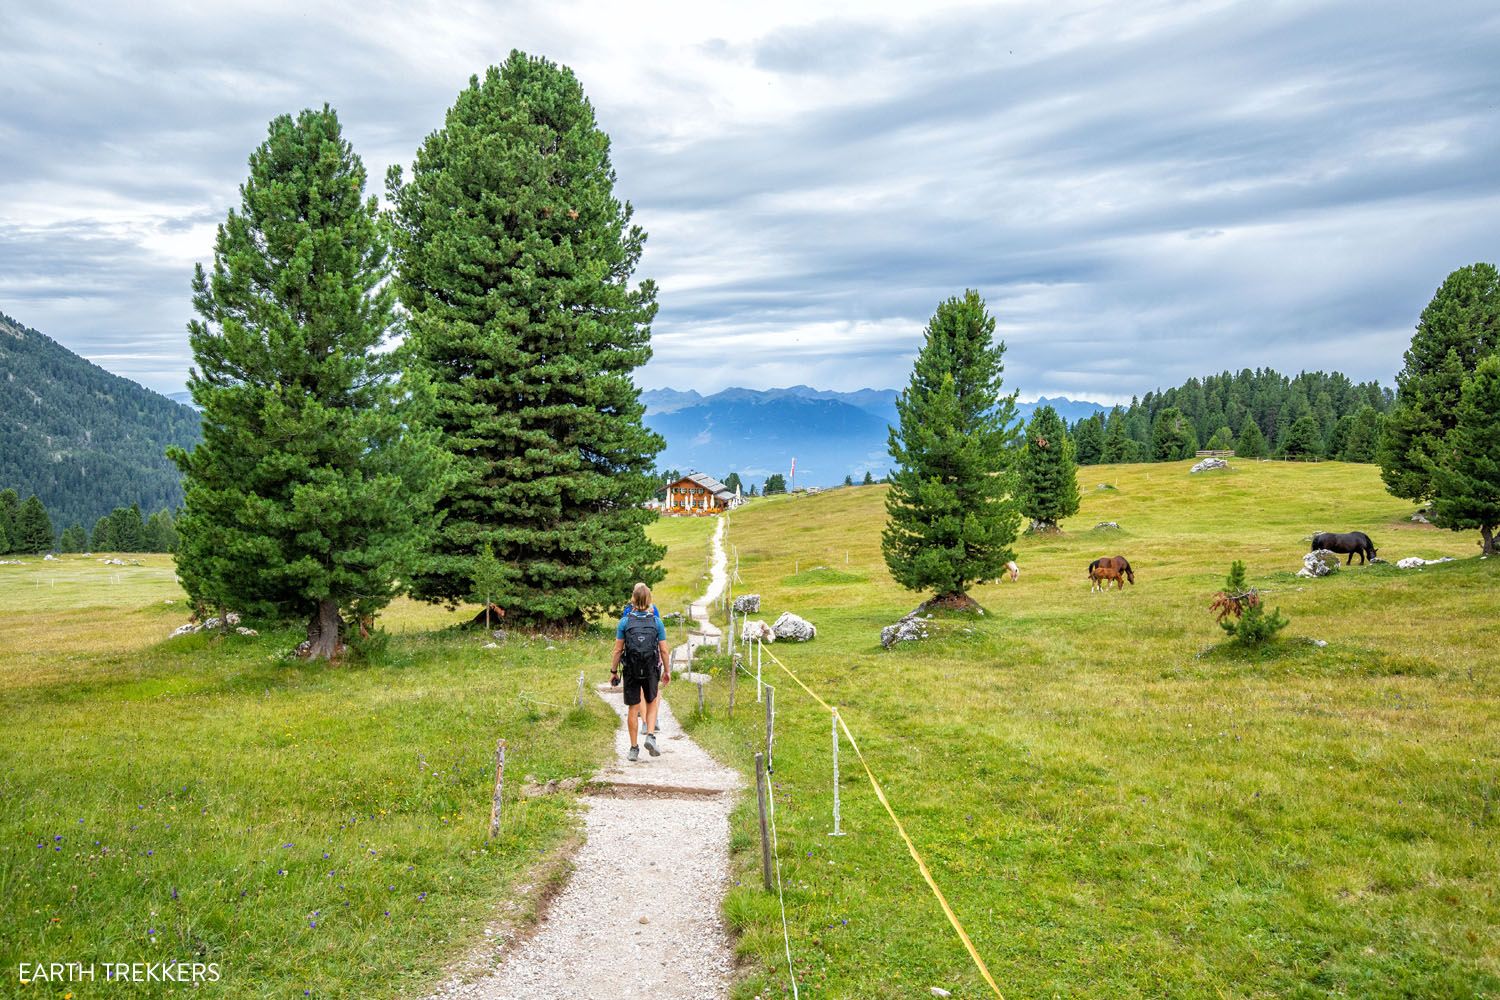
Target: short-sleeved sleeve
(661, 631)
(620, 628)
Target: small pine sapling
(1242, 614)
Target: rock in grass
(1209, 464)
(1417, 562)
(911, 628)
(1107, 526)
(747, 604)
(1319, 563)
(757, 630)
(790, 626)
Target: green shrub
(1241, 612)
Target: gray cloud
(1140, 198)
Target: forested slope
(83, 440)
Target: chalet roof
(709, 483)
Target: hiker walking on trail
(641, 644)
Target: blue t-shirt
(661, 630)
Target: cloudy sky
(1142, 191)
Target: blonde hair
(641, 597)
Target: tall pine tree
(1302, 443)
(1048, 481)
(73, 539)
(1088, 439)
(10, 506)
(516, 263)
(1467, 478)
(1172, 436)
(33, 529)
(1363, 439)
(1251, 443)
(1459, 328)
(952, 516)
(310, 493)
(1118, 446)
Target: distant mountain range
(80, 438)
(86, 441)
(756, 432)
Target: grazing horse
(1013, 571)
(1111, 568)
(1347, 542)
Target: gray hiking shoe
(651, 745)
(634, 754)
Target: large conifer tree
(952, 516)
(516, 263)
(33, 530)
(1048, 481)
(1118, 447)
(1467, 477)
(310, 493)
(10, 506)
(1459, 328)
(1251, 443)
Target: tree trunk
(323, 631)
(1487, 532)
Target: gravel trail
(640, 915)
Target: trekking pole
(836, 831)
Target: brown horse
(1109, 569)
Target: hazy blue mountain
(1071, 410)
(667, 400)
(83, 440)
(756, 432)
(758, 436)
(182, 396)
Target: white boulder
(747, 604)
(790, 626)
(1209, 464)
(1416, 562)
(1320, 562)
(757, 630)
(910, 628)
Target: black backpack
(641, 654)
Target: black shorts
(647, 685)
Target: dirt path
(705, 632)
(641, 914)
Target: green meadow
(1115, 803)
(306, 827)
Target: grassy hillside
(1115, 805)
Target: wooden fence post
(499, 787)
(765, 836)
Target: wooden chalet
(697, 494)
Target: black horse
(1342, 542)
